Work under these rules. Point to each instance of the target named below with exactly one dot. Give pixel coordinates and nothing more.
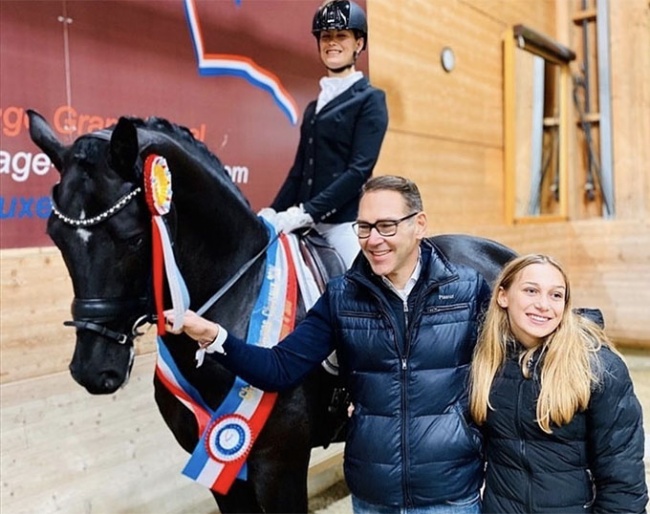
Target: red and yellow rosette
(158, 194)
(157, 185)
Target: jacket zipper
(403, 356)
(405, 460)
(405, 310)
(522, 443)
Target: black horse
(102, 226)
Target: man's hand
(200, 329)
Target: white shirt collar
(331, 87)
(410, 283)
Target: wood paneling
(446, 133)
(608, 265)
(455, 178)
(36, 295)
(66, 451)
(464, 103)
(630, 81)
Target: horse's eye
(135, 243)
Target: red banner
(238, 73)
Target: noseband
(92, 313)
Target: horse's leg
(240, 499)
(282, 485)
(278, 466)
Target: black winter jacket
(594, 464)
(337, 152)
(409, 441)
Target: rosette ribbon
(158, 193)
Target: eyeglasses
(385, 228)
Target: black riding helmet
(341, 15)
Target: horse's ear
(124, 149)
(45, 138)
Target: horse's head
(100, 224)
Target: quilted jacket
(594, 464)
(409, 441)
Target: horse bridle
(92, 313)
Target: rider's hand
(293, 219)
(268, 214)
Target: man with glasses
(404, 323)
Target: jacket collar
(354, 89)
(436, 269)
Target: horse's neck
(215, 239)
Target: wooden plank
(325, 468)
(586, 15)
(323, 459)
(630, 74)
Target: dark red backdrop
(138, 57)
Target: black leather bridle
(93, 313)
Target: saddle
(322, 259)
(324, 262)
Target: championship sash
(229, 432)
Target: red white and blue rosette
(229, 438)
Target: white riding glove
(269, 215)
(293, 219)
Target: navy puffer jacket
(594, 464)
(409, 441)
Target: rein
(232, 280)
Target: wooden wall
(64, 450)
(446, 133)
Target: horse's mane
(197, 149)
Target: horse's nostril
(103, 383)
(111, 383)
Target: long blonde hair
(569, 365)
